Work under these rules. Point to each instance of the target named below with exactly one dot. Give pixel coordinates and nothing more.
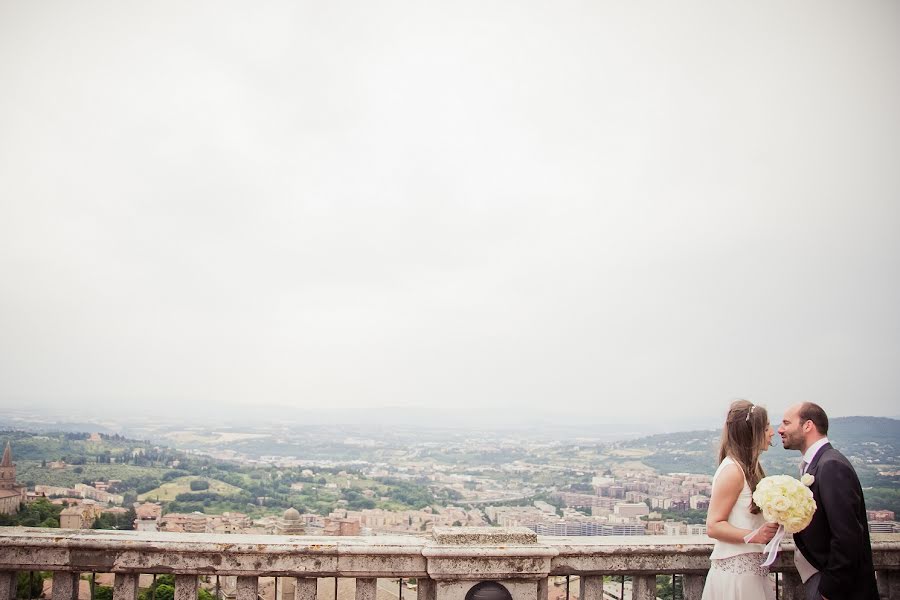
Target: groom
(835, 555)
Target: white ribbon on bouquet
(772, 547)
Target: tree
(665, 590)
(40, 513)
(103, 592)
(204, 594)
(30, 584)
(165, 592)
(163, 588)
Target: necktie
(803, 466)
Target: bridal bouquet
(785, 501)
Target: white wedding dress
(736, 573)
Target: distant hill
(872, 443)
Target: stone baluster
(591, 587)
(247, 587)
(8, 582)
(643, 587)
(185, 587)
(693, 586)
(366, 588)
(426, 590)
(305, 588)
(543, 592)
(889, 584)
(65, 585)
(125, 586)
(791, 586)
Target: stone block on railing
(461, 558)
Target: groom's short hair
(809, 411)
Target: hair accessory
(750, 412)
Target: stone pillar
(889, 584)
(65, 585)
(288, 588)
(125, 586)
(591, 588)
(791, 586)
(425, 589)
(544, 588)
(304, 588)
(366, 588)
(185, 587)
(247, 587)
(643, 587)
(693, 586)
(8, 582)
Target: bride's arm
(725, 492)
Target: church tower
(7, 470)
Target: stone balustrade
(447, 565)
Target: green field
(168, 491)
(32, 472)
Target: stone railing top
(453, 553)
(207, 542)
(474, 536)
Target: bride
(736, 573)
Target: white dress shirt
(805, 569)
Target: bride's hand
(765, 534)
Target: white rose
(807, 479)
(780, 504)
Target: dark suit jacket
(836, 542)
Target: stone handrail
(445, 565)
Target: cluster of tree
(40, 513)
(417, 495)
(882, 499)
(115, 521)
(175, 474)
(30, 584)
(690, 516)
(666, 589)
(356, 500)
(582, 488)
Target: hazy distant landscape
(254, 468)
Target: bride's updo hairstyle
(743, 438)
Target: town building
(341, 527)
(636, 509)
(146, 516)
(80, 516)
(194, 522)
(290, 523)
(880, 515)
(11, 493)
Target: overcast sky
(568, 210)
